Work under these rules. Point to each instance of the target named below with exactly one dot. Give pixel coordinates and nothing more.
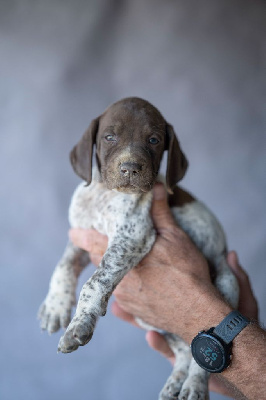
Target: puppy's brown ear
(81, 155)
(177, 163)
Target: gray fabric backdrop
(62, 63)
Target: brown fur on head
(130, 138)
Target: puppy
(114, 198)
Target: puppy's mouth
(131, 189)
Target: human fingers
(120, 313)
(247, 302)
(89, 240)
(157, 342)
(161, 214)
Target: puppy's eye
(153, 140)
(110, 137)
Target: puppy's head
(130, 138)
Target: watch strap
(231, 326)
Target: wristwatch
(212, 349)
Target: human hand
(247, 306)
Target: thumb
(161, 213)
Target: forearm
(247, 371)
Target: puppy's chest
(107, 211)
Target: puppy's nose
(130, 168)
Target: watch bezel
(224, 348)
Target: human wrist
(210, 311)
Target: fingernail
(159, 192)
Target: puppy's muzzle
(129, 172)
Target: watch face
(209, 353)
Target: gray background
(62, 63)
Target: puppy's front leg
(122, 254)
(55, 311)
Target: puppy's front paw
(78, 333)
(55, 311)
